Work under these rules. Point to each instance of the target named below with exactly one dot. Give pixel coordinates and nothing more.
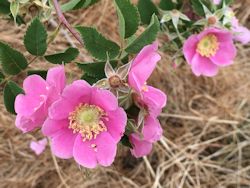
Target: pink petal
(104, 99)
(56, 78)
(152, 130)
(27, 104)
(25, 124)
(225, 55)
(140, 147)
(62, 143)
(143, 66)
(106, 149)
(81, 91)
(154, 99)
(52, 127)
(189, 48)
(116, 123)
(203, 66)
(242, 34)
(60, 109)
(35, 85)
(38, 147)
(84, 154)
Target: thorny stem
(65, 22)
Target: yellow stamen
(208, 46)
(86, 120)
(145, 88)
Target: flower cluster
(87, 122)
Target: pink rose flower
(39, 146)
(241, 34)
(85, 123)
(151, 132)
(32, 107)
(147, 97)
(142, 67)
(209, 50)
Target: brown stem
(65, 22)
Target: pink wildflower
(39, 146)
(151, 132)
(142, 67)
(32, 107)
(148, 98)
(85, 123)
(209, 50)
(241, 34)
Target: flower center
(86, 120)
(208, 46)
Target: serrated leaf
(147, 37)
(12, 61)
(130, 16)
(42, 73)
(63, 57)
(77, 4)
(10, 92)
(35, 39)
(4, 7)
(97, 44)
(146, 9)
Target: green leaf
(42, 73)
(94, 72)
(125, 141)
(1, 76)
(167, 5)
(10, 92)
(146, 9)
(97, 44)
(128, 16)
(12, 61)
(147, 37)
(63, 57)
(197, 7)
(77, 4)
(4, 7)
(35, 39)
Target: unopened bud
(115, 81)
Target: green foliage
(125, 141)
(35, 39)
(147, 37)
(12, 61)
(170, 4)
(128, 17)
(63, 57)
(10, 92)
(93, 71)
(146, 9)
(4, 7)
(42, 73)
(77, 4)
(1, 76)
(97, 44)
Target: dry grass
(206, 142)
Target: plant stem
(65, 22)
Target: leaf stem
(63, 20)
